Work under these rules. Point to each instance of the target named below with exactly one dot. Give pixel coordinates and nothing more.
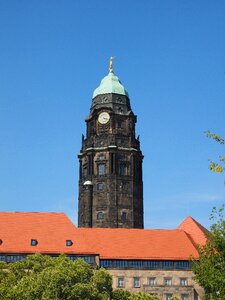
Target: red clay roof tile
(51, 230)
(196, 231)
(122, 243)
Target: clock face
(103, 118)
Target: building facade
(150, 260)
(164, 283)
(110, 185)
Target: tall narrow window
(112, 163)
(183, 281)
(137, 282)
(80, 169)
(122, 168)
(120, 282)
(101, 169)
(168, 281)
(90, 164)
(168, 296)
(84, 170)
(184, 297)
(134, 166)
(124, 216)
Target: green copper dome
(110, 84)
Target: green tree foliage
(210, 270)
(45, 278)
(217, 167)
(142, 296)
(121, 294)
(40, 277)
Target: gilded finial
(111, 64)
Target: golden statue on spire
(111, 64)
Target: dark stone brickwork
(110, 185)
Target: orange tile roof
(51, 230)
(121, 243)
(196, 231)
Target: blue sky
(170, 56)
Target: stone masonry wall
(192, 290)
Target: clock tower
(110, 183)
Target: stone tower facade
(110, 184)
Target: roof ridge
(129, 229)
(195, 230)
(200, 226)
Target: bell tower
(110, 184)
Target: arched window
(101, 156)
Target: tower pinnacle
(111, 64)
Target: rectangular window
(134, 166)
(88, 259)
(2, 257)
(136, 282)
(168, 281)
(182, 264)
(100, 186)
(100, 215)
(13, 258)
(112, 155)
(101, 169)
(183, 281)
(124, 216)
(90, 161)
(122, 169)
(106, 263)
(120, 263)
(143, 264)
(151, 281)
(135, 264)
(184, 297)
(120, 282)
(152, 264)
(167, 264)
(168, 296)
(85, 171)
(119, 124)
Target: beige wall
(160, 289)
